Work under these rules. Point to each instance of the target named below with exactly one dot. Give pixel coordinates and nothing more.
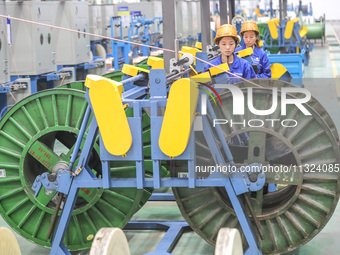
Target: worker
(227, 39)
(250, 33)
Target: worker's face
(227, 46)
(249, 38)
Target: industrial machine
(99, 23)
(34, 44)
(139, 32)
(289, 39)
(188, 31)
(286, 34)
(51, 155)
(4, 71)
(72, 48)
(41, 57)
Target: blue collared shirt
(260, 59)
(239, 67)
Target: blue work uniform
(260, 59)
(243, 69)
(239, 67)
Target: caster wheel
(229, 242)
(110, 241)
(8, 243)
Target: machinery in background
(72, 49)
(148, 10)
(138, 32)
(316, 27)
(4, 71)
(4, 54)
(120, 49)
(35, 45)
(288, 38)
(42, 57)
(188, 22)
(124, 16)
(10, 91)
(285, 35)
(100, 22)
(306, 12)
(32, 44)
(4, 68)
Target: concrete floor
(324, 67)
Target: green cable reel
(38, 133)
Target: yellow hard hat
(249, 26)
(226, 30)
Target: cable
(2, 113)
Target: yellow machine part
(290, 27)
(178, 117)
(257, 12)
(109, 111)
(214, 70)
(92, 78)
(202, 78)
(133, 70)
(246, 52)
(156, 63)
(260, 43)
(272, 25)
(198, 45)
(303, 31)
(277, 70)
(191, 50)
(193, 72)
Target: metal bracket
(174, 68)
(213, 51)
(244, 180)
(61, 184)
(4, 89)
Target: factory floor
(145, 241)
(324, 66)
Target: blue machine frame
(118, 46)
(3, 98)
(69, 184)
(293, 62)
(292, 43)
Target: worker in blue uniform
(227, 39)
(250, 33)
